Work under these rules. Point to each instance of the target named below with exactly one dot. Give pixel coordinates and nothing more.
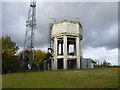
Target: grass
(92, 78)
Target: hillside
(92, 78)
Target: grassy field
(93, 78)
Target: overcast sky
(99, 21)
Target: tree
(9, 60)
(105, 64)
(8, 46)
(47, 64)
(23, 59)
(48, 56)
(39, 56)
(93, 61)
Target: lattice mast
(30, 32)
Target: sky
(99, 21)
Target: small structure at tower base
(87, 63)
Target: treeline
(12, 62)
(103, 64)
(41, 61)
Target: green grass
(92, 78)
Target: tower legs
(65, 56)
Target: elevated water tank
(66, 27)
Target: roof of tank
(67, 21)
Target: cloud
(99, 21)
(107, 38)
(102, 54)
(13, 21)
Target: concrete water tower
(66, 39)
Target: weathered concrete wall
(66, 28)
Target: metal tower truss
(30, 32)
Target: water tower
(66, 39)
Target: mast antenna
(30, 33)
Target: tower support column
(55, 54)
(52, 64)
(65, 52)
(78, 52)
